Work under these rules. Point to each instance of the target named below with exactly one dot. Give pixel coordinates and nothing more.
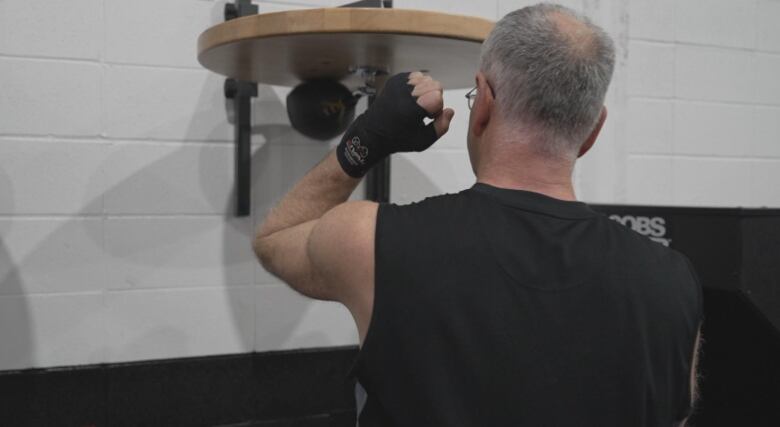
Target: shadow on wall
(17, 347)
(160, 218)
(166, 249)
(238, 272)
(283, 316)
(410, 183)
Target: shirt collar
(536, 202)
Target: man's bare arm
(323, 187)
(281, 242)
(694, 387)
(296, 242)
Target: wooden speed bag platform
(357, 47)
(285, 48)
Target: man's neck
(549, 178)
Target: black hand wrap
(393, 123)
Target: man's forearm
(322, 188)
(297, 235)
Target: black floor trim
(276, 389)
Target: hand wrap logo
(355, 152)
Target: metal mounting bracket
(241, 93)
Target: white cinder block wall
(117, 240)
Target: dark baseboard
(307, 388)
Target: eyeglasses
(470, 96)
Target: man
(509, 303)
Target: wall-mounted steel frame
(242, 92)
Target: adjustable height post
(242, 93)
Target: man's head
(544, 72)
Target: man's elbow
(263, 251)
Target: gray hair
(551, 80)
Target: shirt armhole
(688, 407)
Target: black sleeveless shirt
(498, 307)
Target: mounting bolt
(231, 11)
(252, 89)
(234, 88)
(231, 88)
(239, 8)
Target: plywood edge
(346, 20)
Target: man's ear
(594, 133)
(483, 106)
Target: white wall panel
(46, 97)
(179, 252)
(117, 240)
(50, 255)
(52, 330)
(52, 28)
(287, 320)
(716, 22)
(51, 177)
(166, 323)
